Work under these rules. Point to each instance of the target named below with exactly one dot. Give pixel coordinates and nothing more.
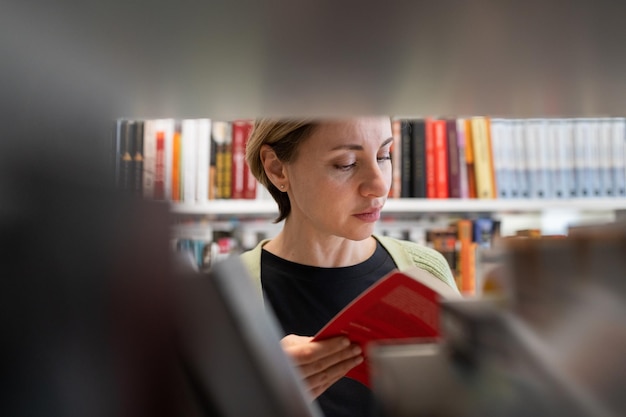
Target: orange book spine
(176, 153)
(441, 159)
(467, 255)
(469, 159)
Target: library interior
(128, 201)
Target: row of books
(197, 160)
(188, 160)
(486, 158)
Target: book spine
(168, 126)
(498, 143)
(463, 179)
(618, 137)
(203, 156)
(406, 161)
(466, 257)
(469, 159)
(441, 159)
(520, 163)
(605, 156)
(454, 162)
(238, 149)
(125, 157)
(159, 171)
(249, 180)
(583, 177)
(594, 161)
(175, 170)
(396, 159)
(228, 162)
(568, 157)
(482, 162)
(418, 158)
(149, 159)
(189, 157)
(138, 158)
(430, 166)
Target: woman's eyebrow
(357, 147)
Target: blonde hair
(284, 136)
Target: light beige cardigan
(404, 253)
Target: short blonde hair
(284, 136)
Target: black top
(304, 298)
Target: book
(441, 158)
(188, 160)
(467, 257)
(125, 157)
(431, 167)
(402, 305)
(469, 159)
(137, 146)
(406, 159)
(238, 157)
(149, 158)
(396, 157)
(454, 161)
(483, 160)
(418, 158)
(203, 162)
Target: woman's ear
(274, 168)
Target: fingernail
(358, 360)
(356, 350)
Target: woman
(330, 179)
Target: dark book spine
(454, 161)
(406, 162)
(419, 157)
(138, 157)
(125, 156)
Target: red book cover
(249, 181)
(441, 159)
(238, 149)
(431, 186)
(401, 305)
(159, 171)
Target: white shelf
(267, 208)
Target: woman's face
(340, 178)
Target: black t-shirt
(304, 298)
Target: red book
(249, 181)
(441, 159)
(429, 150)
(401, 305)
(238, 149)
(159, 171)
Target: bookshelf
(409, 206)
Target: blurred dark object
(87, 315)
(100, 317)
(231, 353)
(553, 347)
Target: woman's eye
(384, 158)
(345, 167)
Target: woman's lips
(369, 216)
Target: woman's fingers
(322, 363)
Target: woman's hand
(321, 363)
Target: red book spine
(159, 172)
(238, 148)
(441, 159)
(430, 159)
(249, 181)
